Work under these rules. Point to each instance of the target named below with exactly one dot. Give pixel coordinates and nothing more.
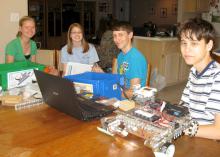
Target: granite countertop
(156, 38)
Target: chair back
(45, 57)
(148, 74)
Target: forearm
(33, 58)
(127, 93)
(211, 131)
(9, 59)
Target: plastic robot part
(141, 95)
(145, 92)
(158, 123)
(193, 128)
(162, 106)
(147, 122)
(105, 131)
(170, 150)
(143, 113)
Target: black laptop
(60, 93)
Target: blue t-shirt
(78, 56)
(133, 65)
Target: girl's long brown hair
(85, 44)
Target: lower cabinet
(164, 55)
(171, 68)
(183, 70)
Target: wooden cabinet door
(202, 5)
(183, 70)
(171, 68)
(196, 5)
(189, 5)
(36, 9)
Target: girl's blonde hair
(85, 44)
(21, 22)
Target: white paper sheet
(73, 68)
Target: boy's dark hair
(200, 28)
(122, 26)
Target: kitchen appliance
(151, 29)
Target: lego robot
(158, 123)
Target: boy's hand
(97, 68)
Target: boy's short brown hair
(122, 26)
(199, 28)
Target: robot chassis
(158, 123)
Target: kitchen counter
(156, 38)
(163, 54)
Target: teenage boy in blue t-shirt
(130, 62)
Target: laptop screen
(60, 93)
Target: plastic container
(21, 71)
(103, 84)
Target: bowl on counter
(162, 34)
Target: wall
(215, 10)
(9, 28)
(151, 10)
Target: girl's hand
(97, 68)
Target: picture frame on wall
(163, 12)
(174, 9)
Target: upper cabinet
(196, 6)
(53, 18)
(36, 9)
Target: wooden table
(45, 132)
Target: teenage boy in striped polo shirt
(202, 92)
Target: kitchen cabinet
(36, 9)
(195, 6)
(183, 70)
(47, 14)
(170, 67)
(164, 55)
(53, 18)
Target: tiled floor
(172, 93)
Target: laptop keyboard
(93, 109)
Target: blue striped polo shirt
(202, 93)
